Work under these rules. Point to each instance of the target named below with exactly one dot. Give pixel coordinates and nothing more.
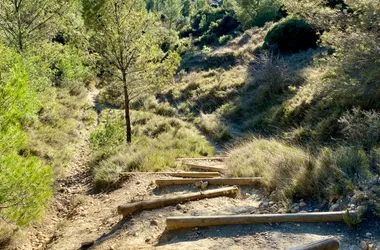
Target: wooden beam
(160, 202)
(218, 168)
(325, 244)
(220, 158)
(178, 174)
(174, 223)
(211, 181)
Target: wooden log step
(178, 174)
(160, 202)
(220, 158)
(218, 168)
(325, 244)
(174, 223)
(212, 181)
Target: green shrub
(277, 162)
(252, 13)
(352, 161)
(158, 140)
(294, 173)
(361, 127)
(25, 181)
(291, 35)
(224, 39)
(213, 127)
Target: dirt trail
(77, 215)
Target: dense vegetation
(277, 84)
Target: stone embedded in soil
(154, 223)
(180, 207)
(204, 185)
(198, 184)
(335, 207)
(302, 204)
(295, 209)
(368, 235)
(282, 211)
(364, 245)
(316, 210)
(87, 243)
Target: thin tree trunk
(127, 113)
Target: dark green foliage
(290, 36)
(209, 25)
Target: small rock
(364, 245)
(147, 240)
(180, 207)
(282, 211)
(368, 235)
(138, 182)
(204, 185)
(265, 204)
(271, 203)
(198, 184)
(334, 207)
(136, 234)
(302, 212)
(154, 223)
(316, 210)
(371, 246)
(302, 204)
(87, 243)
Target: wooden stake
(155, 203)
(178, 174)
(325, 244)
(211, 181)
(217, 168)
(174, 223)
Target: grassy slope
(241, 89)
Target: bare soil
(78, 215)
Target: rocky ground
(96, 222)
(81, 219)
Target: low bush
(291, 35)
(255, 13)
(157, 141)
(25, 180)
(361, 127)
(294, 173)
(210, 25)
(277, 162)
(213, 127)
